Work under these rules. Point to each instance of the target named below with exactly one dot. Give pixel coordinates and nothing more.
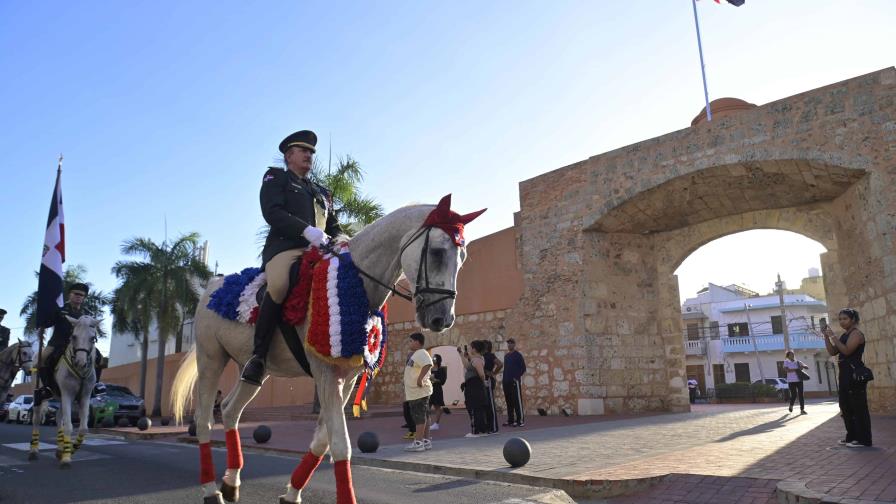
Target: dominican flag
(49, 283)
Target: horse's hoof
(65, 465)
(58, 454)
(229, 492)
(284, 501)
(32, 456)
(213, 499)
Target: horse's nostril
(437, 322)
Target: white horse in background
(75, 375)
(13, 358)
(400, 241)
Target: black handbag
(861, 374)
(803, 375)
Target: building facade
(735, 335)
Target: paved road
(112, 470)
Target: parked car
(20, 409)
(104, 396)
(4, 409)
(778, 383)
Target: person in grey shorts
(417, 389)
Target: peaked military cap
(2, 311)
(304, 138)
(79, 287)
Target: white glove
(315, 236)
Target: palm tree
(161, 283)
(353, 209)
(131, 315)
(95, 303)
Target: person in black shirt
(512, 380)
(853, 395)
(493, 366)
(437, 399)
(300, 213)
(4, 332)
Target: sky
(169, 112)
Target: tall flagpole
(702, 66)
(35, 376)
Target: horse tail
(182, 388)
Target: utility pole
(755, 346)
(780, 286)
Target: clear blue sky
(174, 109)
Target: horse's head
(83, 339)
(431, 257)
(24, 355)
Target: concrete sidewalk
(716, 453)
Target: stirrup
(254, 371)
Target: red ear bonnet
(449, 221)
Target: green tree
(95, 303)
(353, 209)
(161, 282)
(130, 314)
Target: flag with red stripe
(49, 283)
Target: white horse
(404, 240)
(13, 358)
(75, 375)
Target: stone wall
(599, 239)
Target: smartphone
(465, 349)
(824, 325)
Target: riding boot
(46, 377)
(268, 318)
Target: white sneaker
(471, 435)
(434, 426)
(427, 444)
(416, 446)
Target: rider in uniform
(4, 331)
(300, 212)
(62, 335)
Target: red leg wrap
(206, 464)
(345, 493)
(302, 474)
(234, 450)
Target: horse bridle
(415, 297)
(20, 361)
(423, 272)
(74, 351)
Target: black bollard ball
(123, 422)
(144, 423)
(165, 421)
(108, 422)
(262, 434)
(368, 442)
(192, 430)
(517, 452)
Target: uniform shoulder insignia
(273, 173)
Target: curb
(796, 492)
(580, 488)
(566, 487)
(136, 435)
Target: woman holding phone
(474, 387)
(849, 348)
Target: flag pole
(702, 66)
(35, 375)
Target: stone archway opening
(642, 240)
(734, 330)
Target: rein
(416, 296)
(69, 360)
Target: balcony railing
(774, 342)
(695, 347)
